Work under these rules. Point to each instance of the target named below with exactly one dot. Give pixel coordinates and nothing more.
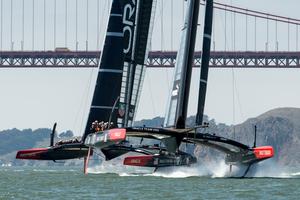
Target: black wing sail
(177, 109)
(109, 80)
(122, 64)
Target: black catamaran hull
(61, 152)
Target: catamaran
(118, 87)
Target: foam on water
(116, 166)
(217, 169)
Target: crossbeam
(156, 59)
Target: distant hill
(279, 128)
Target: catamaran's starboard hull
(252, 156)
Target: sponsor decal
(26, 155)
(264, 152)
(138, 160)
(128, 21)
(31, 153)
(121, 110)
(135, 161)
(117, 134)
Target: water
(66, 183)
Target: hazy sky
(33, 98)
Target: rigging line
(151, 97)
(162, 37)
(232, 69)
(233, 102)
(102, 18)
(88, 88)
(85, 100)
(236, 100)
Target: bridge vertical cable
(87, 25)
(11, 26)
(246, 22)
(1, 25)
(66, 23)
(255, 41)
(234, 31)
(297, 37)
(214, 32)
(44, 25)
(162, 26)
(172, 16)
(98, 31)
(33, 7)
(54, 26)
(276, 35)
(288, 34)
(76, 25)
(267, 43)
(225, 28)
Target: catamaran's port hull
(53, 153)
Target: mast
(185, 59)
(205, 60)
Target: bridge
(245, 39)
(156, 59)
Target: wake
(217, 169)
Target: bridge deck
(157, 59)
